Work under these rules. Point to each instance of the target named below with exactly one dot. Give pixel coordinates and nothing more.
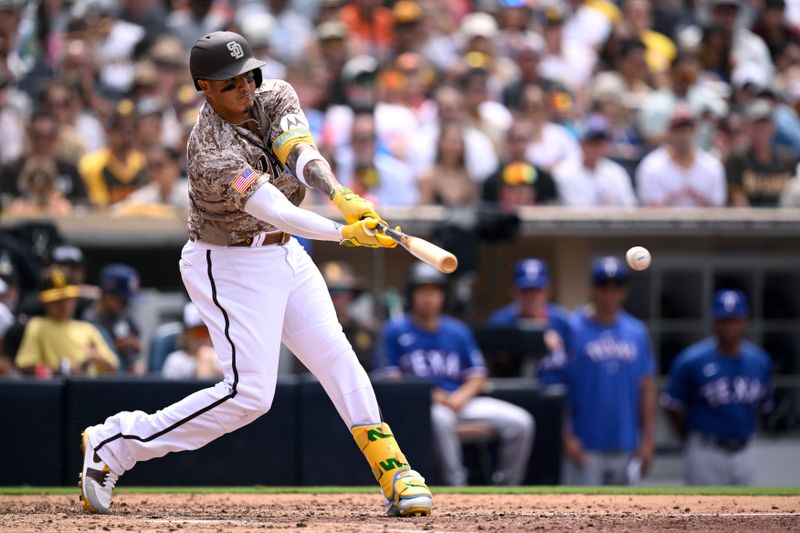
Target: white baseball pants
(250, 299)
(514, 426)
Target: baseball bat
(423, 250)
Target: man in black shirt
(517, 182)
(43, 135)
(757, 177)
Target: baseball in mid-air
(638, 257)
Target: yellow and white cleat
(95, 480)
(410, 495)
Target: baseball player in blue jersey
(608, 372)
(427, 344)
(717, 388)
(532, 303)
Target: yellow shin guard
(382, 452)
(404, 489)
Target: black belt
(277, 237)
(728, 445)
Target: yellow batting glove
(363, 233)
(352, 206)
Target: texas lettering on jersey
(432, 363)
(742, 390)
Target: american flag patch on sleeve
(244, 180)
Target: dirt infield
(311, 513)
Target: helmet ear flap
(258, 76)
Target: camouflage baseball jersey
(228, 163)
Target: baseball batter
(250, 157)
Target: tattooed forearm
(317, 174)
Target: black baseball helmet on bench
(221, 55)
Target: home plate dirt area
(453, 513)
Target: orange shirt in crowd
(379, 30)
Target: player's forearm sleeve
(270, 205)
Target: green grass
(669, 491)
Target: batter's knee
(255, 399)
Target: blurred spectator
(58, 344)
(678, 174)
(591, 21)
(479, 152)
(7, 318)
(427, 344)
(168, 56)
(515, 20)
(166, 185)
(113, 42)
(149, 121)
(79, 72)
(80, 131)
(758, 177)
(447, 182)
(516, 182)
(111, 314)
(345, 288)
(408, 27)
(12, 124)
(357, 92)
(608, 371)
(37, 191)
(790, 197)
(745, 47)
(371, 171)
(395, 119)
(531, 303)
(65, 182)
(196, 358)
(479, 33)
(483, 114)
(439, 25)
(193, 20)
(292, 33)
(551, 144)
(371, 24)
(149, 14)
(629, 63)
(70, 259)
(608, 99)
(257, 29)
(660, 51)
(718, 387)
(595, 180)
(683, 88)
(526, 55)
(15, 60)
(562, 108)
(774, 29)
(114, 172)
(567, 59)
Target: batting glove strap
(352, 206)
(363, 233)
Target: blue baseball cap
(531, 273)
(730, 303)
(120, 280)
(609, 268)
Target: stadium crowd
(458, 103)
(512, 102)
